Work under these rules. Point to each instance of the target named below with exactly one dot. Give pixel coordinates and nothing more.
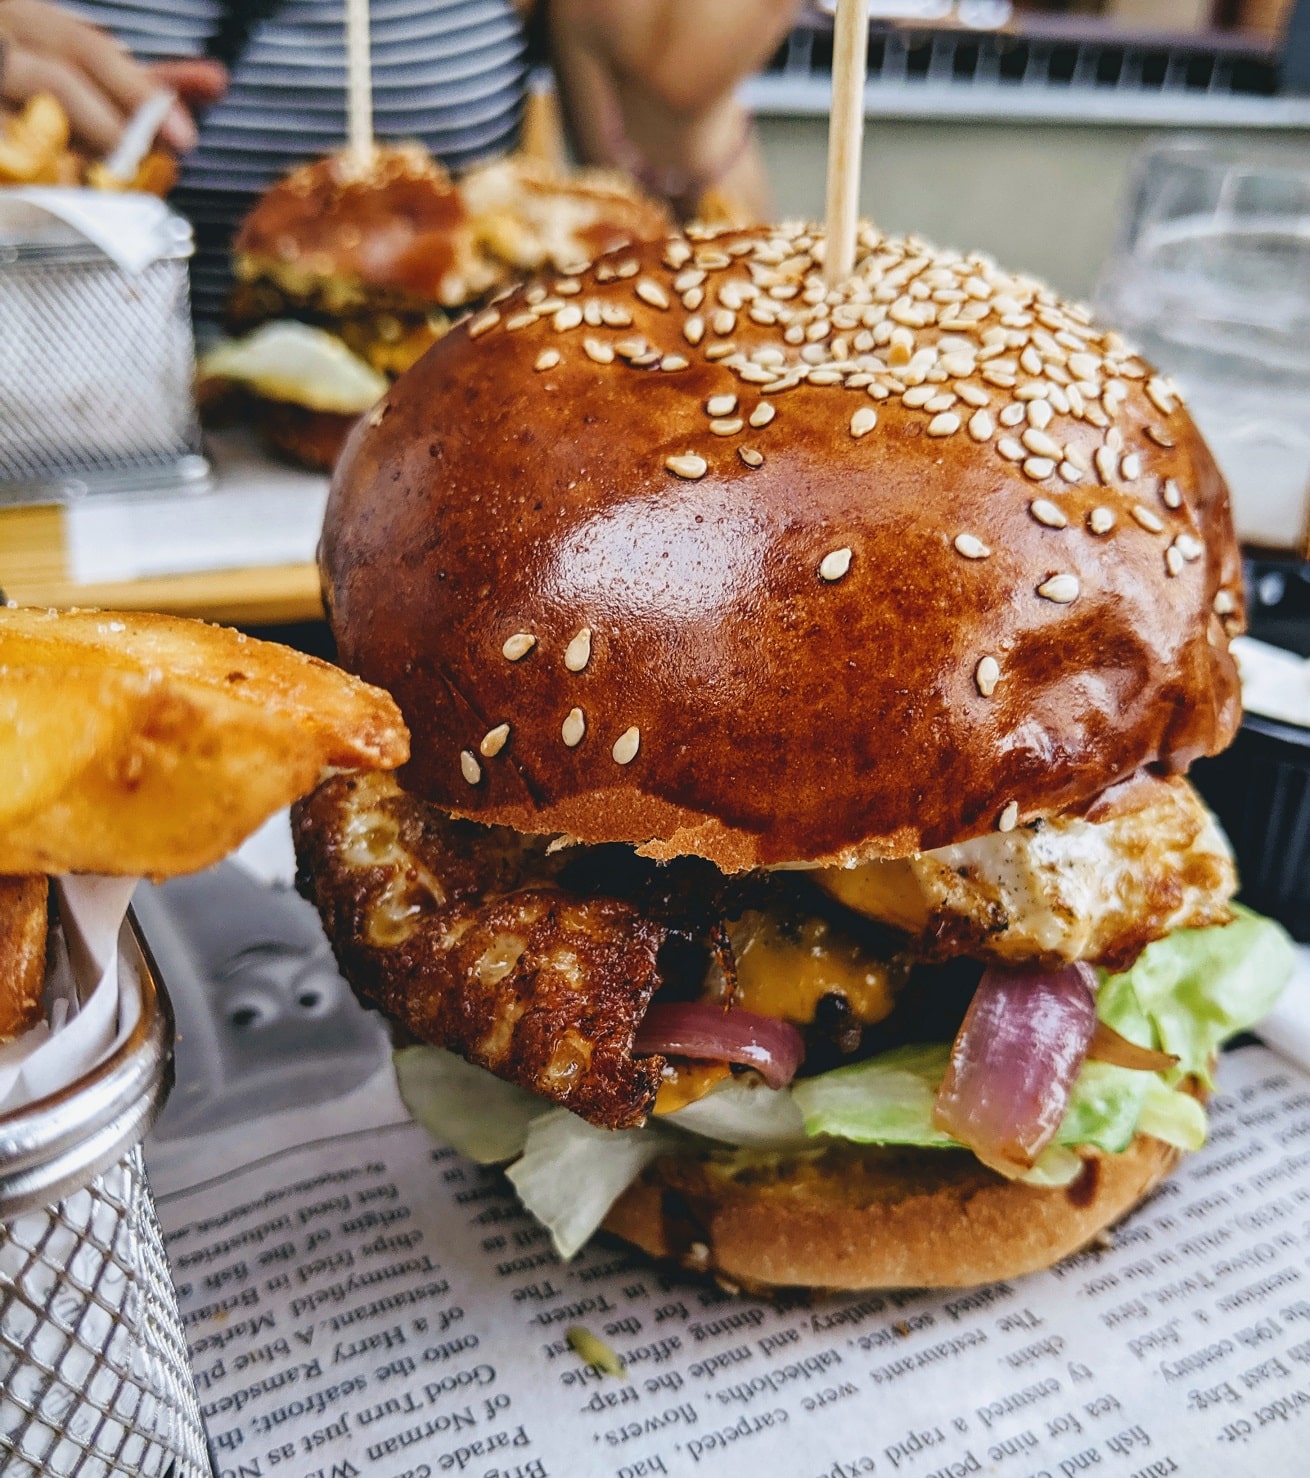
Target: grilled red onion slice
(773, 1048)
(1022, 1043)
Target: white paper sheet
(371, 1304)
(259, 513)
(89, 1006)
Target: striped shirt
(451, 73)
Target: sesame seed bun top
(688, 551)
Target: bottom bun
(874, 1218)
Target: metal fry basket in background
(96, 365)
(94, 1374)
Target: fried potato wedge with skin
(22, 953)
(457, 932)
(152, 745)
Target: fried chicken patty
(539, 962)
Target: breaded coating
(456, 931)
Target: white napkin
(90, 1006)
(132, 230)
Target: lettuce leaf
(571, 1172)
(465, 1106)
(1198, 987)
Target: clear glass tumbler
(1211, 280)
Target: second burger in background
(795, 846)
(347, 274)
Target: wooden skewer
(359, 83)
(846, 136)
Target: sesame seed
(578, 652)
(1062, 589)
(1170, 493)
(942, 401)
(981, 425)
(1009, 817)
(947, 424)
(676, 254)
(478, 327)
(520, 320)
(762, 414)
(918, 396)
(1159, 437)
(1130, 469)
(723, 426)
(863, 421)
(1042, 445)
(573, 727)
(672, 362)
(518, 645)
(689, 465)
(1038, 468)
(469, 767)
(1044, 511)
(971, 546)
(723, 321)
(568, 317)
(1107, 464)
(1040, 414)
(1100, 520)
(720, 351)
(987, 674)
(1173, 561)
(591, 313)
(693, 298)
(958, 364)
(493, 741)
(598, 350)
(1030, 361)
(631, 348)
(835, 564)
(685, 281)
(626, 746)
(1085, 366)
(1069, 472)
(1224, 603)
(615, 315)
(1189, 546)
(652, 293)
(694, 330)
(1010, 449)
(1012, 415)
(720, 405)
(1148, 520)
(750, 456)
(568, 285)
(973, 395)
(1157, 392)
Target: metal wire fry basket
(97, 367)
(94, 1374)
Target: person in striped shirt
(645, 85)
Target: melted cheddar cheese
(785, 967)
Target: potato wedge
(22, 954)
(150, 745)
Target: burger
(141, 745)
(346, 273)
(795, 871)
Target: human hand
(94, 77)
